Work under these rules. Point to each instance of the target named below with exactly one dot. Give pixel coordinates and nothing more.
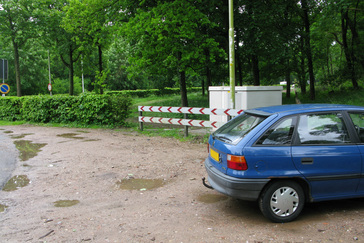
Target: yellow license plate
(215, 155)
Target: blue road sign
(4, 88)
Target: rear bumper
(245, 189)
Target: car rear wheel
(282, 201)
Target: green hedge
(148, 92)
(84, 109)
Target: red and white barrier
(182, 122)
(186, 110)
(191, 110)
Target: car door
(326, 156)
(358, 121)
(271, 154)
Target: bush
(85, 109)
(10, 108)
(142, 93)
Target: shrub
(142, 93)
(84, 109)
(10, 108)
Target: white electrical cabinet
(246, 97)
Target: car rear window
(233, 131)
(280, 133)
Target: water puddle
(16, 182)
(2, 208)
(211, 198)
(83, 131)
(140, 184)
(21, 135)
(92, 140)
(70, 135)
(28, 149)
(65, 203)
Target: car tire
(282, 201)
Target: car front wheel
(282, 201)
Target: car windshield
(233, 131)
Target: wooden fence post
(185, 116)
(140, 123)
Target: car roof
(301, 108)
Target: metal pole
(49, 71)
(3, 60)
(231, 54)
(83, 82)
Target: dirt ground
(102, 172)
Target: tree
(338, 33)
(17, 26)
(307, 46)
(167, 38)
(50, 15)
(351, 46)
(91, 26)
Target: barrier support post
(185, 116)
(140, 123)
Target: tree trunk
(238, 60)
(100, 67)
(255, 66)
(17, 68)
(184, 100)
(288, 80)
(356, 43)
(70, 73)
(348, 53)
(308, 48)
(208, 74)
(302, 73)
(182, 84)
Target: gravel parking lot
(99, 185)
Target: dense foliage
(84, 109)
(150, 44)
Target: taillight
(236, 162)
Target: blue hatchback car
(285, 156)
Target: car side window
(358, 121)
(326, 128)
(279, 134)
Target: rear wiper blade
(224, 138)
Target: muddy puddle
(140, 184)
(81, 131)
(28, 149)
(2, 208)
(21, 135)
(65, 203)
(70, 135)
(211, 198)
(16, 182)
(74, 136)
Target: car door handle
(307, 161)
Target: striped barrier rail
(184, 110)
